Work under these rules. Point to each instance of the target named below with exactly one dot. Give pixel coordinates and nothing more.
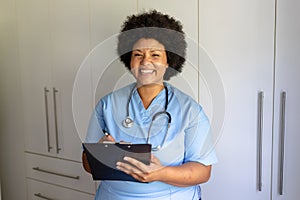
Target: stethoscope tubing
(128, 121)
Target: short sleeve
(199, 146)
(96, 125)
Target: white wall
(11, 138)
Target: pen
(105, 132)
(111, 142)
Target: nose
(146, 60)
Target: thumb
(110, 138)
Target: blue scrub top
(187, 139)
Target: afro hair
(160, 27)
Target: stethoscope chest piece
(128, 122)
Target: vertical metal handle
(259, 139)
(55, 91)
(282, 138)
(42, 196)
(46, 91)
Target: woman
(152, 46)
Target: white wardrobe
(242, 66)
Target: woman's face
(148, 62)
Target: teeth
(147, 71)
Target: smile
(147, 71)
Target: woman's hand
(187, 174)
(85, 163)
(107, 138)
(140, 171)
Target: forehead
(148, 43)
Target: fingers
(85, 163)
(132, 165)
(110, 138)
(141, 166)
(140, 171)
(107, 138)
(155, 160)
(133, 169)
(127, 168)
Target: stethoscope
(128, 121)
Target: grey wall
(12, 167)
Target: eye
(155, 55)
(137, 54)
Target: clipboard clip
(110, 142)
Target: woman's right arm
(85, 163)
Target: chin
(145, 83)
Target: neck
(149, 92)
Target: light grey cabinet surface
(35, 61)
(41, 190)
(286, 140)
(238, 36)
(254, 45)
(54, 39)
(69, 29)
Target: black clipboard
(102, 158)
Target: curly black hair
(160, 27)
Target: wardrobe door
(286, 161)
(35, 60)
(237, 36)
(70, 44)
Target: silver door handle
(42, 196)
(282, 138)
(46, 91)
(55, 173)
(259, 139)
(55, 91)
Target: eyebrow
(152, 50)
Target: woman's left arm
(188, 174)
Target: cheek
(134, 63)
(133, 68)
(161, 65)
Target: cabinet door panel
(59, 172)
(238, 37)
(70, 45)
(35, 61)
(39, 190)
(287, 67)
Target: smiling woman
(152, 46)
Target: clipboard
(102, 158)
